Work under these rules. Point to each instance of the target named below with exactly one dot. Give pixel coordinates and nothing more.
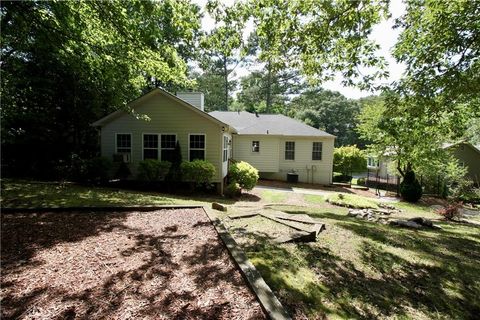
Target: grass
(274, 196)
(352, 201)
(364, 270)
(313, 198)
(23, 194)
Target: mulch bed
(167, 264)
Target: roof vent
(194, 98)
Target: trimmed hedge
(153, 170)
(197, 171)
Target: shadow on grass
(306, 275)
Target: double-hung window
(225, 148)
(167, 145)
(255, 146)
(150, 146)
(290, 150)
(317, 151)
(124, 145)
(196, 147)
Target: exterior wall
(168, 117)
(266, 160)
(470, 158)
(194, 98)
(272, 164)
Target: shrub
(233, 190)
(244, 174)
(349, 159)
(153, 170)
(97, 169)
(197, 171)
(342, 178)
(123, 171)
(410, 188)
(361, 181)
(451, 211)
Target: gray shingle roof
(273, 124)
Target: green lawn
(364, 270)
(352, 201)
(23, 194)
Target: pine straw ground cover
(167, 264)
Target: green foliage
(233, 190)
(329, 111)
(349, 159)
(153, 170)
(123, 171)
(79, 62)
(410, 188)
(97, 169)
(361, 181)
(244, 174)
(341, 178)
(197, 171)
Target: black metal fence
(390, 183)
(435, 186)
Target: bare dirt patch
(167, 264)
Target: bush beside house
(242, 174)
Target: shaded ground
(360, 269)
(168, 264)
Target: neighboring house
(274, 144)
(467, 154)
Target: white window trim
(204, 147)
(321, 150)
(143, 144)
(224, 149)
(285, 151)
(160, 143)
(131, 143)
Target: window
(225, 148)
(150, 146)
(289, 150)
(197, 147)
(317, 151)
(124, 145)
(167, 146)
(255, 146)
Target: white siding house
(274, 144)
(277, 145)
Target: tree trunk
(269, 87)
(225, 78)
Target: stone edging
(101, 208)
(267, 299)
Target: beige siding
(303, 164)
(266, 160)
(470, 158)
(168, 117)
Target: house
(274, 144)
(467, 154)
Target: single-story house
(274, 144)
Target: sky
(383, 34)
